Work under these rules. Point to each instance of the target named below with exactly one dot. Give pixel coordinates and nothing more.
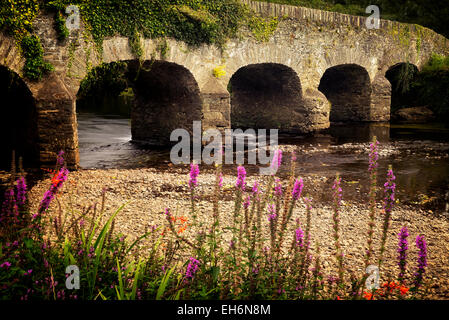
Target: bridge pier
(216, 106)
(56, 121)
(380, 99)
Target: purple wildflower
(57, 183)
(272, 212)
(299, 237)
(6, 265)
(241, 176)
(297, 189)
(422, 260)
(278, 188)
(402, 250)
(389, 191)
(192, 268)
(21, 191)
(256, 189)
(194, 172)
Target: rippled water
(418, 153)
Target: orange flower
(404, 290)
(368, 296)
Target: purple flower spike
(241, 176)
(21, 191)
(272, 212)
(389, 191)
(402, 250)
(194, 172)
(256, 189)
(192, 268)
(422, 260)
(278, 188)
(299, 237)
(297, 189)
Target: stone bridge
(317, 67)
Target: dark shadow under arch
(266, 96)
(18, 121)
(167, 97)
(348, 88)
(401, 76)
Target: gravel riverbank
(149, 191)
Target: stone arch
(267, 96)
(400, 75)
(18, 120)
(167, 97)
(348, 88)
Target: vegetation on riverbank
(181, 263)
(427, 87)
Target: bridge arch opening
(348, 89)
(266, 96)
(401, 76)
(129, 101)
(167, 97)
(18, 121)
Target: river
(419, 155)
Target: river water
(419, 155)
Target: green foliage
(437, 62)
(428, 87)
(106, 78)
(192, 21)
(263, 29)
(60, 26)
(16, 16)
(35, 66)
(431, 86)
(105, 90)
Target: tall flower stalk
(337, 195)
(193, 182)
(240, 186)
(422, 261)
(57, 181)
(402, 251)
(372, 169)
(295, 196)
(389, 197)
